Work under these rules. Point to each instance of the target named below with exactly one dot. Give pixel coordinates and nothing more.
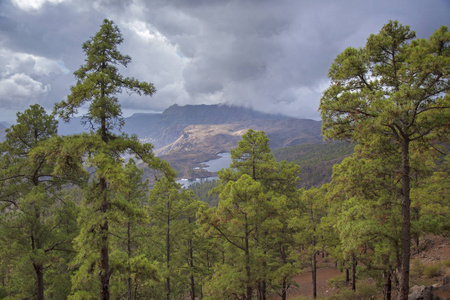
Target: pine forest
(79, 219)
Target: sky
(270, 55)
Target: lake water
(213, 165)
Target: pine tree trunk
(104, 251)
(347, 277)
(249, 289)
(406, 224)
(262, 283)
(168, 254)
(353, 272)
(39, 269)
(387, 285)
(104, 227)
(129, 257)
(262, 290)
(191, 265)
(284, 285)
(284, 289)
(314, 274)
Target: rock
(435, 292)
(442, 292)
(420, 293)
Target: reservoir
(213, 165)
(222, 162)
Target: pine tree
(35, 225)
(99, 83)
(270, 237)
(397, 88)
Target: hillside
(166, 127)
(188, 135)
(315, 160)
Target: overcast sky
(272, 55)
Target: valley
(186, 136)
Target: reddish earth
(304, 281)
(434, 249)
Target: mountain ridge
(188, 135)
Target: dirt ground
(305, 286)
(434, 249)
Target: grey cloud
(270, 55)
(19, 88)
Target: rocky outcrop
(435, 292)
(205, 139)
(166, 128)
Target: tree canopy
(395, 89)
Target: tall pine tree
(395, 87)
(98, 83)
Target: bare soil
(433, 250)
(304, 281)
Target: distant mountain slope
(169, 126)
(205, 138)
(185, 135)
(224, 137)
(165, 128)
(315, 160)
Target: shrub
(433, 270)
(446, 263)
(337, 282)
(363, 292)
(344, 294)
(417, 268)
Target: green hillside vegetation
(315, 160)
(204, 193)
(79, 221)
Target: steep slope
(219, 138)
(315, 160)
(205, 138)
(188, 135)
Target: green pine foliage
(37, 220)
(203, 192)
(316, 161)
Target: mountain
(195, 134)
(172, 126)
(165, 128)
(188, 135)
(213, 138)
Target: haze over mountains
(209, 128)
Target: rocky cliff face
(205, 138)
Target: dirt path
(305, 287)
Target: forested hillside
(78, 219)
(316, 161)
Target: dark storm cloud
(270, 55)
